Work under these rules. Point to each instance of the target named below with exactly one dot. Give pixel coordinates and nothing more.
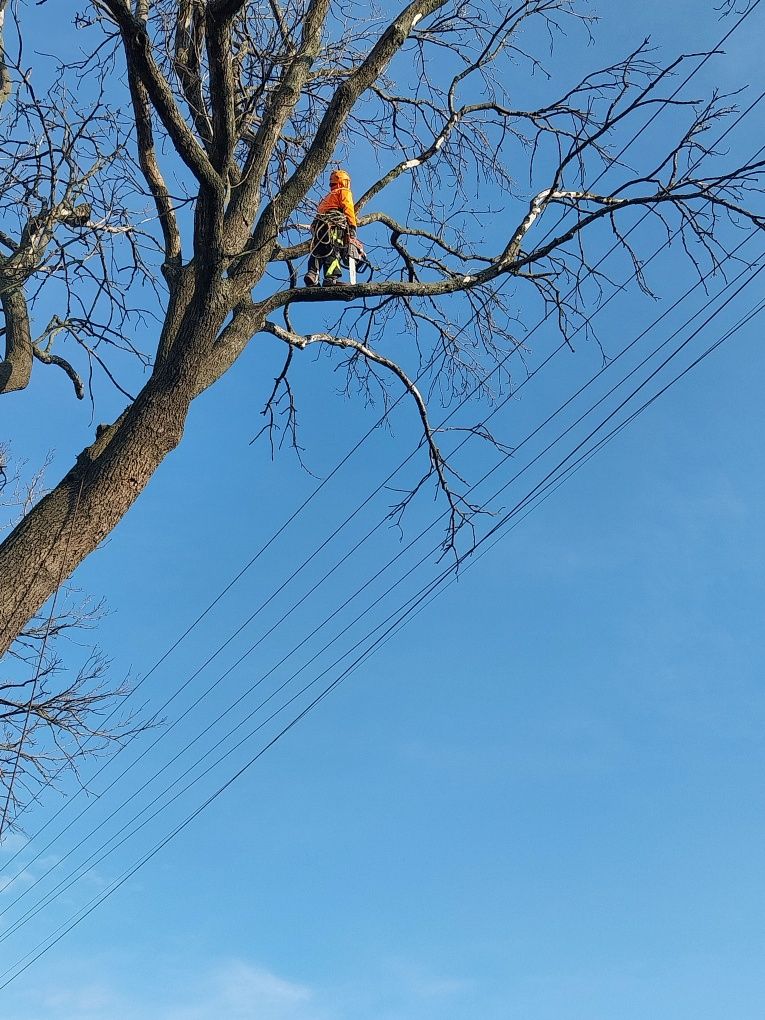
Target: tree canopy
(156, 190)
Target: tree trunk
(74, 518)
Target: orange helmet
(339, 179)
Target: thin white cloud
(242, 991)
(234, 990)
(439, 987)
(83, 1001)
(12, 842)
(416, 982)
(13, 882)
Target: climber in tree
(334, 225)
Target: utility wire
(67, 882)
(659, 109)
(253, 646)
(401, 620)
(186, 712)
(551, 486)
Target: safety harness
(330, 232)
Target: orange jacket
(340, 197)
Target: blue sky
(542, 799)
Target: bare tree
(198, 178)
(47, 727)
(49, 724)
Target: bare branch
(437, 461)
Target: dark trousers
(327, 241)
(324, 257)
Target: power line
(209, 689)
(68, 881)
(347, 457)
(551, 486)
(409, 614)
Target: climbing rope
(329, 231)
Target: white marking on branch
(535, 209)
(537, 206)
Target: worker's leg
(311, 278)
(320, 250)
(332, 270)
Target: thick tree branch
(512, 260)
(149, 164)
(139, 55)
(222, 90)
(16, 369)
(53, 359)
(189, 36)
(6, 82)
